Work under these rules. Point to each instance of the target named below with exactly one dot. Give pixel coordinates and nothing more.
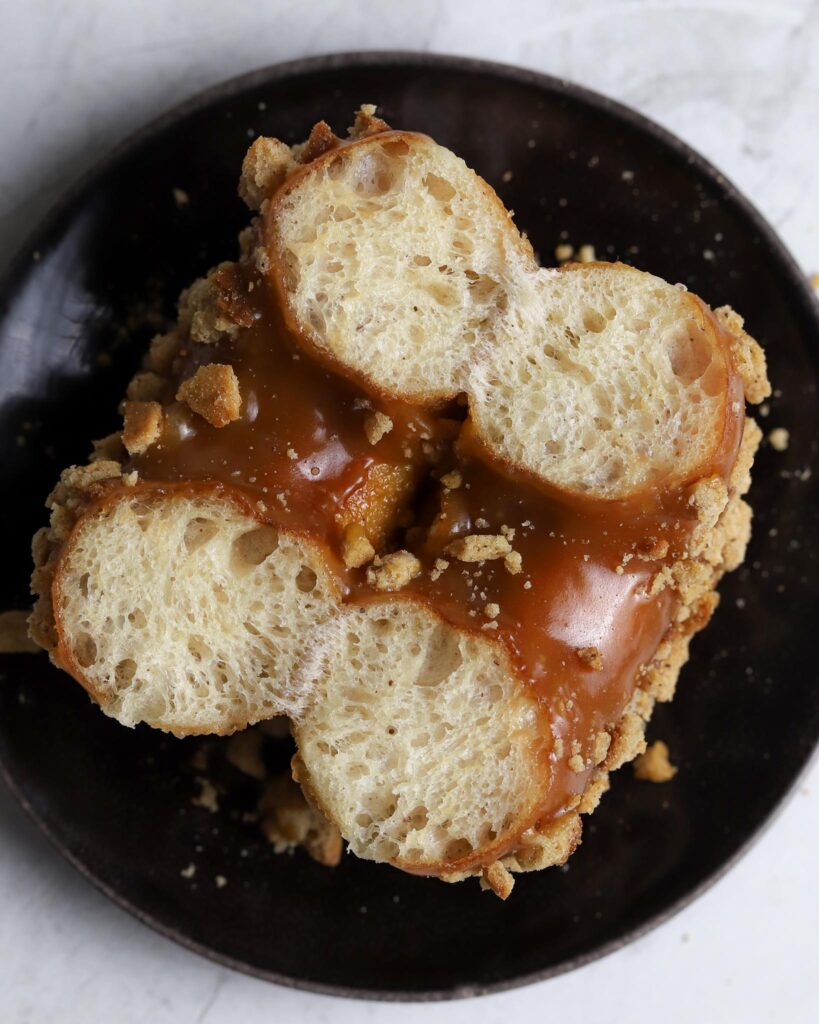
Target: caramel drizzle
(578, 622)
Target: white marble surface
(739, 79)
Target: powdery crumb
(142, 425)
(220, 881)
(654, 765)
(438, 569)
(748, 355)
(602, 742)
(497, 878)
(213, 393)
(452, 480)
(14, 638)
(491, 610)
(189, 871)
(591, 656)
(513, 562)
(479, 547)
(576, 763)
(779, 439)
(393, 571)
(376, 426)
(265, 166)
(586, 254)
(660, 581)
(507, 176)
(356, 549)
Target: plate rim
(36, 239)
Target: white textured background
(739, 80)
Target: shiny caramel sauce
(578, 620)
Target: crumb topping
(592, 657)
(376, 426)
(213, 393)
(356, 549)
(479, 547)
(142, 425)
(393, 571)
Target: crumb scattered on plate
(654, 765)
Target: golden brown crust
(498, 878)
(718, 544)
(77, 487)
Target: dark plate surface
(118, 802)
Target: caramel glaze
(300, 452)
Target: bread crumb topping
(142, 425)
(592, 657)
(356, 549)
(393, 571)
(376, 426)
(213, 393)
(479, 547)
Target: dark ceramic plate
(118, 803)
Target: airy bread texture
(399, 267)
(429, 760)
(186, 612)
(398, 262)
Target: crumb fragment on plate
(208, 796)
(287, 821)
(654, 765)
(779, 439)
(498, 878)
